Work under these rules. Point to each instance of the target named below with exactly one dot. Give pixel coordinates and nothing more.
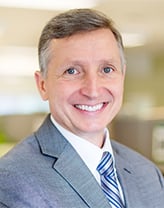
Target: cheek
(117, 87)
(117, 93)
(68, 90)
(60, 93)
(120, 91)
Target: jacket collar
(69, 165)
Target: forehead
(95, 44)
(103, 35)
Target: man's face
(84, 83)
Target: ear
(41, 85)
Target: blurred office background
(140, 123)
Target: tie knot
(105, 166)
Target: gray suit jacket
(44, 171)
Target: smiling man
(70, 161)
(84, 82)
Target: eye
(71, 71)
(107, 70)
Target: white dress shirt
(85, 148)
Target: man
(82, 71)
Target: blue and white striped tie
(108, 180)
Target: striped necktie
(108, 180)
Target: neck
(97, 139)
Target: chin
(93, 129)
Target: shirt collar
(90, 153)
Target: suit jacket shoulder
(45, 171)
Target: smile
(90, 108)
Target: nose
(91, 86)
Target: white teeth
(90, 108)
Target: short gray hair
(70, 23)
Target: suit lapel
(75, 172)
(70, 166)
(129, 183)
